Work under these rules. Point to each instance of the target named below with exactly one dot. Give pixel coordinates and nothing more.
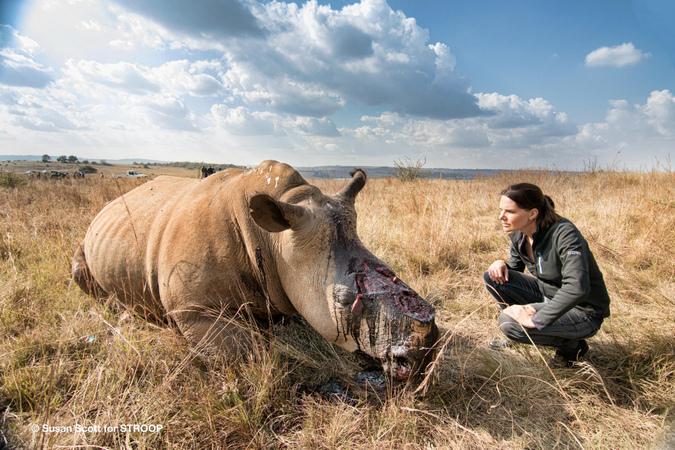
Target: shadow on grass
(630, 371)
(512, 392)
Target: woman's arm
(514, 261)
(576, 284)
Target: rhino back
(179, 244)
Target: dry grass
(66, 359)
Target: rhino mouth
(398, 368)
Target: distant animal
(78, 174)
(206, 171)
(262, 239)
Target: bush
(407, 169)
(88, 169)
(11, 180)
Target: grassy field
(67, 359)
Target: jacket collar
(539, 235)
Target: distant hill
(20, 157)
(384, 171)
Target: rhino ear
(275, 216)
(354, 186)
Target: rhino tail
(82, 275)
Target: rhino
(193, 253)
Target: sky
(480, 84)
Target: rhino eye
(343, 295)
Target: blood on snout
(379, 280)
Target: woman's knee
(490, 284)
(511, 328)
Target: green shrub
(88, 169)
(11, 180)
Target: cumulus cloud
(509, 122)
(124, 76)
(316, 127)
(660, 112)
(40, 111)
(536, 115)
(17, 64)
(169, 113)
(44, 120)
(241, 121)
(626, 124)
(200, 78)
(618, 56)
(206, 18)
(365, 53)
(197, 78)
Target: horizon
(344, 83)
(140, 161)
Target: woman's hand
(498, 272)
(522, 314)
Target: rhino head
(344, 291)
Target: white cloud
(240, 121)
(198, 78)
(509, 122)
(207, 18)
(316, 127)
(18, 66)
(40, 110)
(618, 56)
(168, 113)
(128, 77)
(660, 112)
(635, 135)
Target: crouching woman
(564, 300)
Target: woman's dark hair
(530, 196)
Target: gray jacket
(566, 270)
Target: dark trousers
(522, 289)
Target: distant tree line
(194, 165)
(72, 159)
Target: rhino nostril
(401, 361)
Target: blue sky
(488, 84)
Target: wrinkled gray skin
(192, 252)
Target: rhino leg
(83, 276)
(219, 336)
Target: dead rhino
(194, 252)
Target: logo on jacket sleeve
(573, 252)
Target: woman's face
(515, 218)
